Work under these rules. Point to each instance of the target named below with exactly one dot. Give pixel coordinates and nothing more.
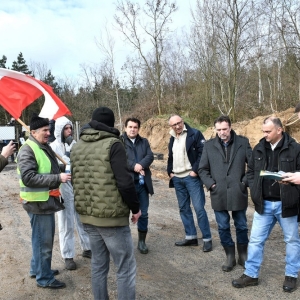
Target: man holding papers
(273, 202)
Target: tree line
(237, 57)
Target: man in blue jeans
(185, 149)
(139, 159)
(40, 178)
(223, 171)
(274, 202)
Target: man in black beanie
(40, 178)
(104, 196)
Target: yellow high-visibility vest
(44, 167)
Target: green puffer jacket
(97, 199)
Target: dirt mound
(156, 130)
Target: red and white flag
(18, 90)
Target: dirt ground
(166, 272)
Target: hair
(297, 107)
(276, 121)
(174, 115)
(134, 120)
(221, 119)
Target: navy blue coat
(144, 158)
(194, 147)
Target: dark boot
(242, 251)
(230, 262)
(141, 244)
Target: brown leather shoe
(289, 284)
(193, 242)
(244, 281)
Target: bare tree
(145, 29)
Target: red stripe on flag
(16, 95)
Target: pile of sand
(156, 130)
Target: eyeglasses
(176, 124)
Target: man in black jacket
(185, 149)
(139, 159)
(273, 202)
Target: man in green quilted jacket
(104, 196)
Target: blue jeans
(240, 223)
(188, 188)
(144, 205)
(43, 229)
(261, 228)
(117, 242)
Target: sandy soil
(167, 272)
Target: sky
(61, 33)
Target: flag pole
(27, 128)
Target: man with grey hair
(273, 202)
(185, 150)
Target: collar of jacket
(287, 140)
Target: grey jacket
(230, 192)
(28, 167)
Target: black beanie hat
(104, 115)
(36, 122)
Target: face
(67, 130)
(272, 134)
(132, 129)
(223, 131)
(41, 134)
(177, 124)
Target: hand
(135, 217)
(138, 168)
(171, 175)
(64, 177)
(193, 174)
(291, 178)
(8, 150)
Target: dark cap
(104, 115)
(36, 122)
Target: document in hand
(272, 175)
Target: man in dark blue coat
(139, 159)
(185, 150)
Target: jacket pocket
(258, 163)
(287, 164)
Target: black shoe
(244, 281)
(70, 264)
(207, 246)
(55, 272)
(56, 284)
(193, 242)
(87, 253)
(289, 284)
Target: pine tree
(50, 80)
(20, 65)
(3, 62)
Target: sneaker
(244, 281)
(70, 264)
(289, 284)
(87, 253)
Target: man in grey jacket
(222, 170)
(39, 178)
